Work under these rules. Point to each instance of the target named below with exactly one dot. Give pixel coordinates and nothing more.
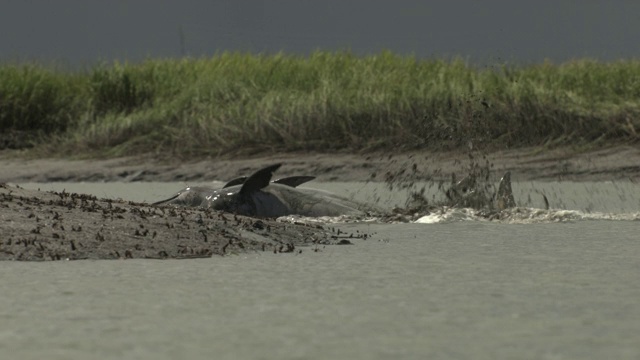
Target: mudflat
(608, 163)
(557, 287)
(40, 225)
(37, 225)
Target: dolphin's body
(257, 196)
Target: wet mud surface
(37, 225)
(41, 226)
(562, 164)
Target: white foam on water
(522, 215)
(327, 219)
(530, 216)
(449, 215)
(519, 215)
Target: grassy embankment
(324, 102)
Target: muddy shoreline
(41, 226)
(37, 226)
(562, 164)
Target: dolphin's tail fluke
(504, 197)
(294, 181)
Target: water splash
(518, 215)
(523, 215)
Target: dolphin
(257, 196)
(198, 196)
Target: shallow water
(460, 289)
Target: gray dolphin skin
(258, 196)
(199, 196)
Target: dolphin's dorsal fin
(505, 198)
(237, 181)
(294, 181)
(258, 180)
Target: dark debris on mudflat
(40, 226)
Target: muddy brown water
(453, 290)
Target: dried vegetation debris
(36, 225)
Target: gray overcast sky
(81, 32)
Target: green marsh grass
(247, 103)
